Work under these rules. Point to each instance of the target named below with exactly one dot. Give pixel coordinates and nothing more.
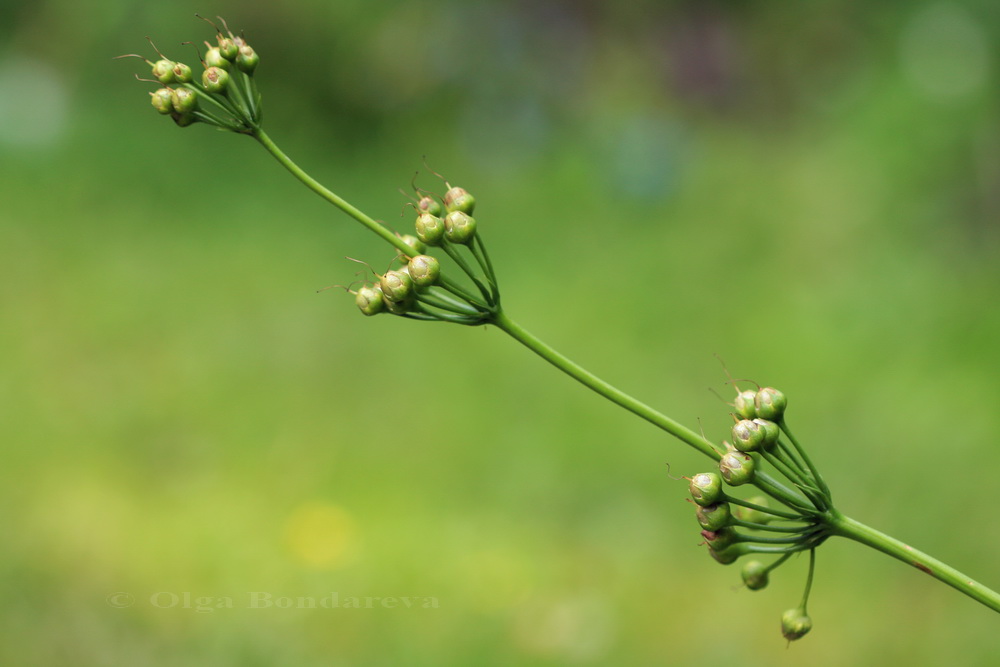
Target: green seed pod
(370, 300)
(714, 516)
(247, 59)
(744, 404)
(754, 575)
(183, 73)
(162, 101)
(214, 58)
(430, 229)
(396, 285)
(706, 488)
(719, 540)
(227, 47)
(457, 199)
(726, 557)
(736, 468)
(459, 227)
(398, 307)
(183, 119)
(163, 70)
(795, 623)
(751, 515)
(430, 205)
(416, 244)
(748, 436)
(184, 100)
(770, 404)
(424, 270)
(215, 79)
(771, 432)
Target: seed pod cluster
(227, 78)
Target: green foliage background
(812, 193)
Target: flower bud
(795, 623)
(754, 575)
(457, 199)
(162, 101)
(184, 100)
(430, 205)
(370, 300)
(459, 227)
(752, 515)
(770, 404)
(430, 229)
(396, 285)
(247, 59)
(183, 73)
(747, 435)
(215, 79)
(163, 70)
(714, 516)
(719, 539)
(771, 432)
(706, 488)
(214, 58)
(744, 404)
(736, 468)
(424, 270)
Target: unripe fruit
(771, 432)
(184, 119)
(714, 516)
(215, 79)
(396, 285)
(726, 557)
(370, 300)
(247, 59)
(227, 47)
(162, 101)
(214, 58)
(416, 244)
(398, 307)
(744, 404)
(183, 73)
(424, 270)
(706, 488)
(430, 229)
(754, 575)
(184, 100)
(459, 227)
(770, 404)
(747, 435)
(719, 540)
(736, 468)
(163, 70)
(795, 623)
(752, 515)
(457, 199)
(430, 205)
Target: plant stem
(845, 526)
(762, 481)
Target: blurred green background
(811, 193)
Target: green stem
(762, 481)
(845, 526)
(326, 194)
